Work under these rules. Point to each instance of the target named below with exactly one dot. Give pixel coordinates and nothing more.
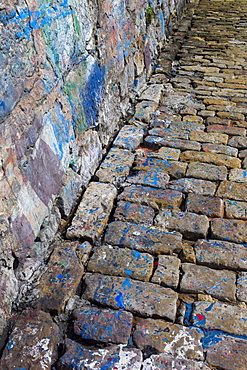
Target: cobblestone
(129, 137)
(173, 168)
(232, 230)
(167, 271)
(208, 172)
(190, 185)
(164, 362)
(154, 179)
(133, 212)
(232, 190)
(201, 204)
(236, 209)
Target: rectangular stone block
(144, 110)
(228, 353)
(188, 126)
(196, 186)
(207, 172)
(167, 338)
(166, 154)
(208, 137)
(191, 225)
(239, 142)
(220, 316)
(93, 212)
(168, 133)
(164, 362)
(120, 357)
(217, 253)
(205, 205)
(173, 168)
(172, 142)
(133, 212)
(236, 209)
(167, 271)
(230, 130)
(152, 197)
(232, 190)
(107, 326)
(221, 149)
(145, 299)
(144, 239)
(154, 179)
(242, 286)
(129, 137)
(116, 166)
(238, 175)
(125, 262)
(229, 230)
(201, 279)
(153, 93)
(216, 159)
(63, 276)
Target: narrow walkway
(162, 229)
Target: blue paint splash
(119, 300)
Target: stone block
(228, 353)
(144, 239)
(119, 357)
(167, 271)
(154, 179)
(191, 225)
(196, 186)
(213, 158)
(230, 130)
(169, 339)
(121, 262)
(242, 286)
(107, 326)
(166, 154)
(133, 212)
(206, 171)
(238, 175)
(221, 149)
(129, 137)
(144, 110)
(239, 142)
(142, 298)
(173, 168)
(164, 362)
(201, 279)
(236, 209)
(232, 190)
(170, 133)
(172, 142)
(32, 344)
(93, 212)
(153, 93)
(220, 316)
(217, 253)
(152, 197)
(208, 137)
(63, 275)
(116, 166)
(205, 205)
(230, 230)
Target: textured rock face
(61, 65)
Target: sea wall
(70, 71)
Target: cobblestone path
(152, 271)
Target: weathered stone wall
(69, 71)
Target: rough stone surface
(238, 142)
(228, 353)
(63, 276)
(173, 168)
(213, 158)
(231, 230)
(222, 149)
(236, 209)
(121, 262)
(232, 190)
(201, 279)
(120, 357)
(167, 154)
(191, 225)
(182, 144)
(242, 286)
(169, 339)
(238, 175)
(129, 137)
(154, 179)
(116, 166)
(152, 197)
(207, 172)
(189, 185)
(164, 362)
(151, 240)
(93, 212)
(167, 271)
(133, 212)
(32, 342)
(219, 253)
(102, 325)
(146, 299)
(220, 316)
(201, 204)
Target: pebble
(145, 299)
(141, 238)
(121, 262)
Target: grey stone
(145, 299)
(164, 362)
(121, 262)
(93, 211)
(235, 209)
(129, 137)
(190, 185)
(206, 172)
(153, 93)
(230, 230)
(238, 175)
(242, 286)
(167, 271)
(154, 179)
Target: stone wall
(70, 70)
